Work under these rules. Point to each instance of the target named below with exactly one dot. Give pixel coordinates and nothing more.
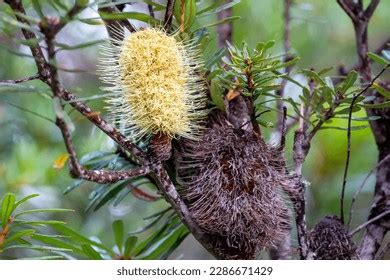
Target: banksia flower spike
(231, 180)
(155, 84)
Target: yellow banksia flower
(155, 84)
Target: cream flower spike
(155, 84)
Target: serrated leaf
(7, 207)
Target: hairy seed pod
(231, 181)
(155, 83)
(329, 240)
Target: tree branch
(22, 80)
(169, 14)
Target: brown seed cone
(231, 181)
(329, 240)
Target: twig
(287, 57)
(358, 191)
(169, 14)
(362, 226)
(382, 255)
(151, 10)
(224, 31)
(349, 135)
(22, 80)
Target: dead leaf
(59, 163)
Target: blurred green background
(322, 35)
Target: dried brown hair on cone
(329, 240)
(231, 180)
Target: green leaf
(7, 207)
(38, 248)
(63, 46)
(17, 235)
(53, 210)
(382, 91)
(91, 252)
(56, 242)
(360, 119)
(377, 105)
(349, 80)
(223, 21)
(130, 243)
(163, 244)
(74, 185)
(118, 229)
(216, 95)
(63, 229)
(23, 200)
(346, 128)
(314, 76)
(130, 15)
(37, 7)
(378, 59)
(216, 8)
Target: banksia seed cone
(155, 85)
(231, 180)
(329, 240)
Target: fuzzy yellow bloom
(155, 84)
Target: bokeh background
(322, 36)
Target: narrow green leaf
(378, 59)
(346, 128)
(349, 80)
(7, 207)
(377, 105)
(43, 211)
(56, 242)
(17, 235)
(130, 243)
(382, 91)
(80, 238)
(225, 20)
(91, 252)
(23, 200)
(130, 15)
(118, 229)
(67, 47)
(217, 96)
